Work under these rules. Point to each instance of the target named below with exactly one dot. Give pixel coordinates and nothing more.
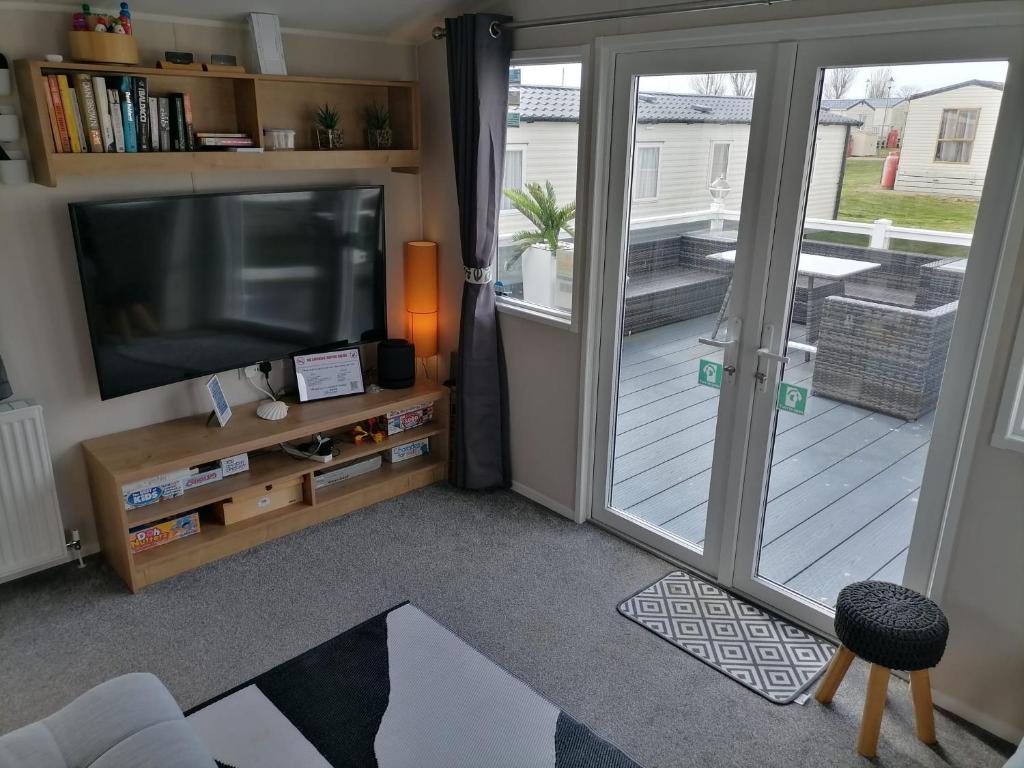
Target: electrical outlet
(250, 372)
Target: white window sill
(553, 317)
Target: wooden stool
(891, 627)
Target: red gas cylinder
(892, 162)
(893, 139)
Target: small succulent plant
(327, 117)
(377, 118)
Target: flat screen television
(181, 287)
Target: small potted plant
(542, 254)
(327, 125)
(378, 127)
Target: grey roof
(981, 83)
(558, 104)
(844, 104)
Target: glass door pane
(891, 201)
(689, 157)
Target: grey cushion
(131, 721)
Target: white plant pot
(539, 276)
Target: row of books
(92, 113)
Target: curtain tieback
(479, 275)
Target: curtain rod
(650, 10)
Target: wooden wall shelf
(115, 460)
(235, 102)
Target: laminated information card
(329, 374)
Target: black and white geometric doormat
(397, 691)
(768, 655)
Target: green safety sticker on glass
(709, 373)
(792, 399)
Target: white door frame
(993, 222)
(961, 403)
(736, 392)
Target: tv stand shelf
(233, 102)
(115, 460)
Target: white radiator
(31, 531)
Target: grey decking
(844, 480)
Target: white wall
(981, 672)
(43, 336)
(919, 171)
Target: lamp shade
(423, 333)
(420, 276)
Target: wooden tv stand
(125, 457)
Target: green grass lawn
(863, 199)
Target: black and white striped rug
(767, 654)
(397, 691)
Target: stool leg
(835, 674)
(924, 715)
(874, 705)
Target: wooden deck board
(844, 482)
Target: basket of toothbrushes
(102, 37)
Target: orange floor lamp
(421, 296)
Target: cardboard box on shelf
(153, 489)
(232, 465)
(407, 451)
(203, 475)
(328, 477)
(409, 418)
(161, 532)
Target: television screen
(180, 287)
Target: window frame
(657, 146)
(521, 149)
(939, 141)
(711, 159)
(558, 318)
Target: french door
(793, 296)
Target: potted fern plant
(542, 254)
(378, 127)
(327, 124)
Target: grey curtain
(478, 82)
(5, 385)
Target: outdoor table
(811, 266)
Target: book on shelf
(128, 119)
(76, 118)
(58, 120)
(99, 89)
(69, 113)
(154, 124)
(186, 101)
(116, 123)
(224, 141)
(178, 143)
(164, 122)
(140, 98)
(88, 111)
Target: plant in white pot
(540, 250)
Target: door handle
(767, 354)
(720, 343)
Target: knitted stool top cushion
(890, 625)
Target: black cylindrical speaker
(396, 364)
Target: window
(719, 161)
(544, 122)
(956, 135)
(645, 175)
(513, 178)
